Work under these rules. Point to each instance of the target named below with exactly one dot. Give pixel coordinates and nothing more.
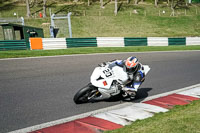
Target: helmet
(131, 64)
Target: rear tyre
(129, 95)
(84, 94)
(133, 95)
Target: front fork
(93, 94)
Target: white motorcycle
(106, 82)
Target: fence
(54, 43)
(157, 41)
(12, 20)
(63, 43)
(13, 45)
(81, 42)
(110, 41)
(192, 40)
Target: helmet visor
(131, 70)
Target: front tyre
(84, 94)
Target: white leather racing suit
(135, 79)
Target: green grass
(181, 119)
(92, 21)
(36, 53)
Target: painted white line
(195, 92)
(92, 113)
(39, 57)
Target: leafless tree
(156, 2)
(44, 8)
(28, 12)
(116, 8)
(101, 2)
(168, 2)
(136, 2)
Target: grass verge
(36, 53)
(180, 119)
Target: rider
(135, 71)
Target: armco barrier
(36, 43)
(63, 43)
(81, 42)
(192, 40)
(110, 41)
(54, 43)
(135, 41)
(177, 41)
(13, 45)
(157, 41)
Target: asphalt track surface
(39, 90)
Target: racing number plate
(107, 72)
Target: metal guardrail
(13, 45)
(63, 43)
(54, 43)
(12, 20)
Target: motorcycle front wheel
(85, 94)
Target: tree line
(28, 12)
(173, 4)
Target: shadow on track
(142, 93)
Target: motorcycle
(106, 82)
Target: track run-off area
(40, 90)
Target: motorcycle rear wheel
(82, 96)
